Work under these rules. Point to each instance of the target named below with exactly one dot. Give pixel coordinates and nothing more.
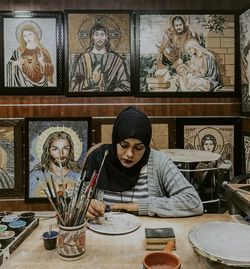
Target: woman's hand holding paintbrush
(96, 209)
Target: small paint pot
(3, 227)
(6, 237)
(50, 239)
(4, 213)
(17, 226)
(28, 217)
(162, 259)
(10, 218)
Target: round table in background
(201, 170)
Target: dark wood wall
(45, 106)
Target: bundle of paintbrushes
(71, 208)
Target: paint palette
(3, 227)
(13, 231)
(17, 224)
(9, 218)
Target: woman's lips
(127, 161)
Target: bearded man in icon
(171, 49)
(99, 69)
(57, 160)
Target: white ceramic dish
(225, 242)
(116, 223)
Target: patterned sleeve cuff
(143, 207)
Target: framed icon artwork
(55, 151)
(180, 54)
(32, 52)
(99, 53)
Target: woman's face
(208, 145)
(130, 151)
(28, 37)
(190, 50)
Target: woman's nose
(129, 153)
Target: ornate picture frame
(218, 134)
(99, 52)
(11, 164)
(31, 52)
(55, 147)
(244, 44)
(185, 54)
(246, 152)
(163, 131)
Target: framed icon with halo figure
(163, 135)
(185, 54)
(11, 176)
(220, 135)
(99, 50)
(246, 152)
(244, 41)
(56, 148)
(32, 52)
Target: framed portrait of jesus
(99, 52)
(55, 152)
(32, 52)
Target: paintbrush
(78, 202)
(92, 190)
(99, 172)
(70, 209)
(47, 182)
(81, 200)
(51, 201)
(54, 189)
(84, 198)
(80, 187)
(61, 173)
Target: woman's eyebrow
(138, 144)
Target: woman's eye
(139, 148)
(123, 145)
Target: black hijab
(130, 123)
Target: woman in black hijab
(136, 178)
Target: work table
(111, 251)
(239, 198)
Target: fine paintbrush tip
(43, 169)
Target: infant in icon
(188, 81)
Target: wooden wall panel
(28, 106)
